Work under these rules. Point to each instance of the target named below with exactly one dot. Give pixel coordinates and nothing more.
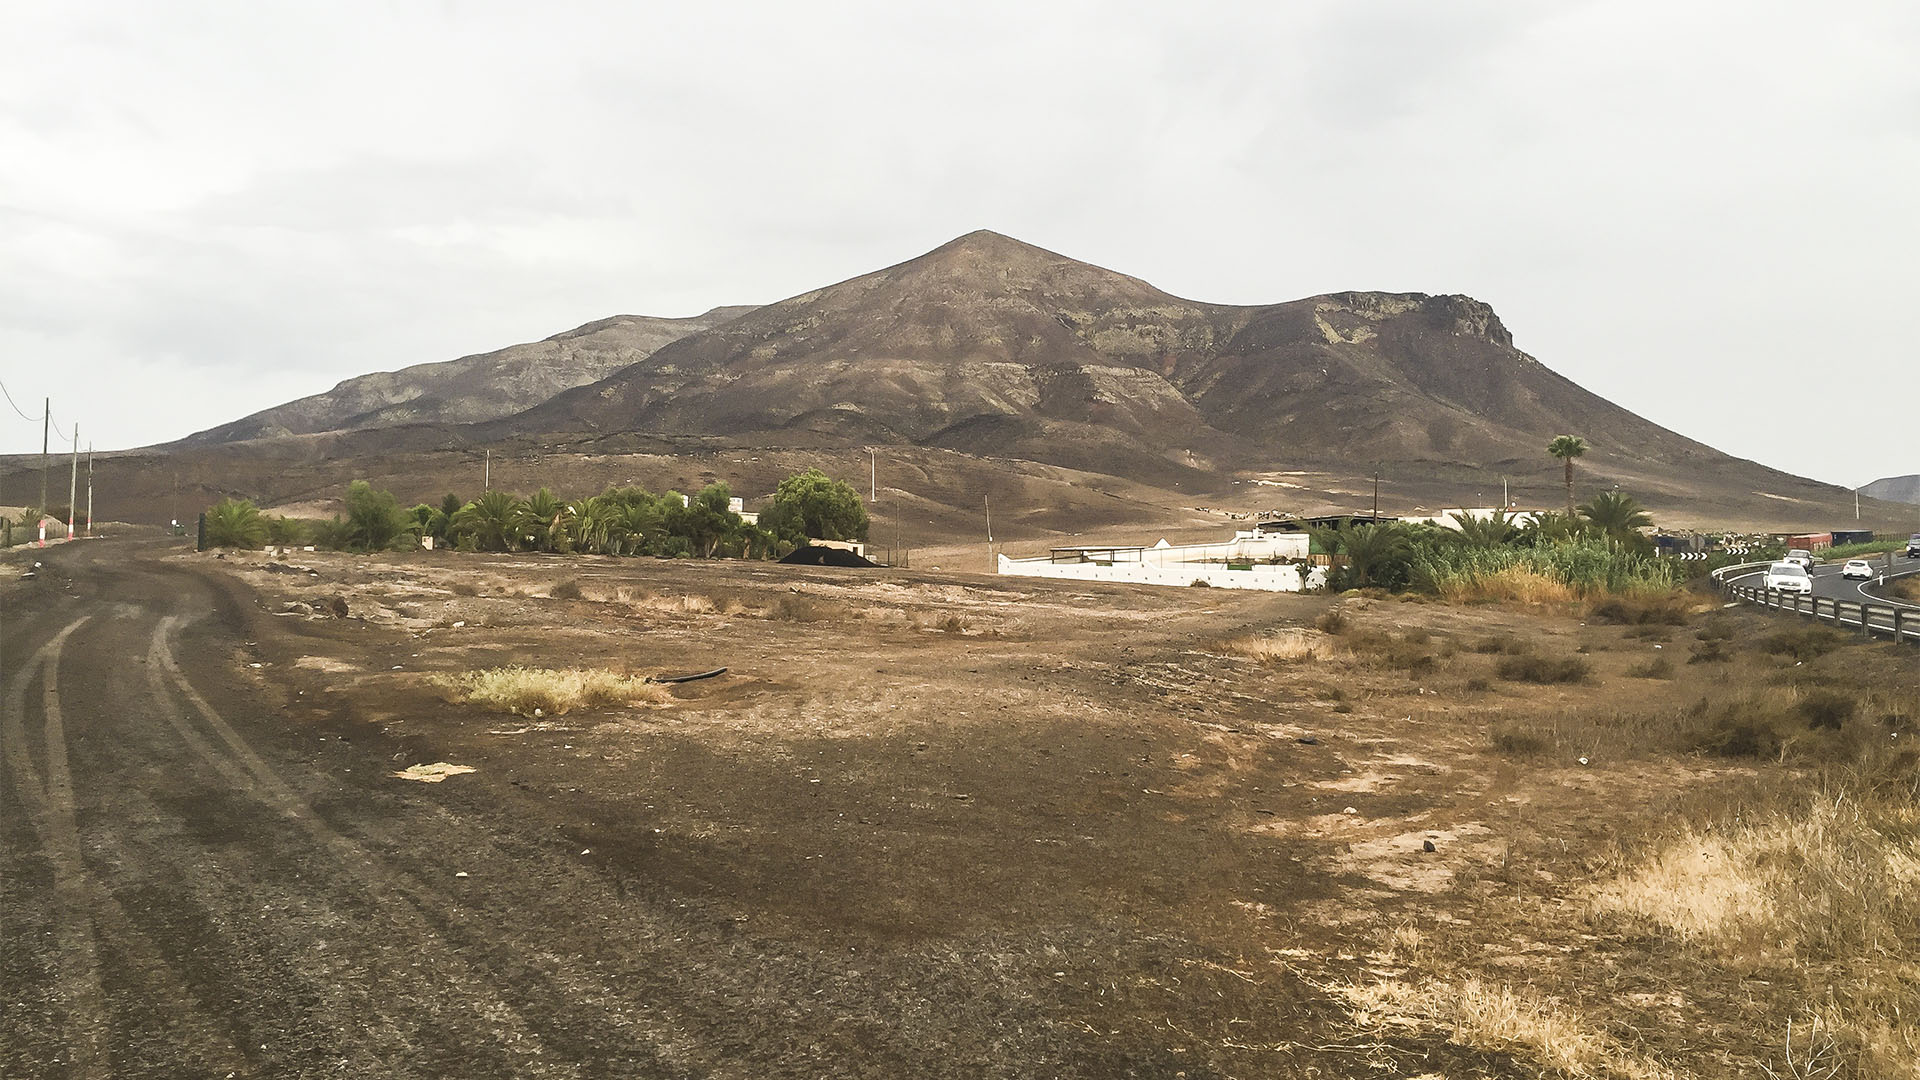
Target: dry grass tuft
(1503, 1019)
(1832, 886)
(1513, 585)
(522, 690)
(1283, 646)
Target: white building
(1273, 562)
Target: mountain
(990, 345)
(1904, 489)
(472, 388)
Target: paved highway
(1827, 582)
(1829, 585)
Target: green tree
(813, 505)
(374, 519)
(493, 522)
(1377, 554)
(1566, 448)
(1487, 532)
(706, 522)
(542, 521)
(1617, 515)
(235, 523)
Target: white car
(1788, 577)
(1859, 568)
(1800, 557)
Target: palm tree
(235, 523)
(493, 520)
(1372, 551)
(544, 511)
(1616, 514)
(1487, 532)
(1566, 448)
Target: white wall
(1266, 577)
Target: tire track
(247, 772)
(50, 803)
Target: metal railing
(1889, 620)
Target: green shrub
(236, 523)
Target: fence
(1898, 622)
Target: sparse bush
(796, 608)
(1710, 651)
(1641, 608)
(1478, 685)
(1826, 709)
(1501, 643)
(1284, 645)
(567, 590)
(1544, 669)
(1510, 737)
(1332, 621)
(1658, 668)
(1801, 642)
(521, 690)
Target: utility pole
(486, 473)
(1376, 496)
(1856, 504)
(73, 483)
(46, 425)
(89, 489)
(988, 503)
(873, 476)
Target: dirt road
(929, 825)
(195, 885)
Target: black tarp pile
(826, 556)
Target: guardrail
(1897, 622)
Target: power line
(16, 408)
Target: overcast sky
(1708, 213)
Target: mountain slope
(472, 388)
(990, 345)
(1904, 489)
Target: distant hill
(1905, 489)
(472, 388)
(990, 345)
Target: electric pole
(486, 473)
(89, 489)
(1376, 495)
(873, 476)
(73, 483)
(46, 425)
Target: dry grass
(1545, 670)
(1506, 1019)
(1513, 585)
(1827, 892)
(524, 690)
(1284, 646)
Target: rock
(295, 607)
(1307, 740)
(1426, 845)
(337, 605)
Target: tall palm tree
(1566, 448)
(1616, 513)
(544, 512)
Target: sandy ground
(928, 823)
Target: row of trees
(1389, 554)
(619, 521)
